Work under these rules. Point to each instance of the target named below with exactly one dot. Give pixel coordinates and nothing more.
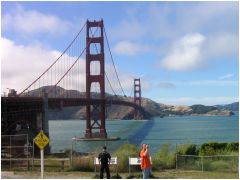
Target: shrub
(83, 163)
(187, 149)
(123, 153)
(206, 150)
(218, 166)
(164, 158)
(233, 146)
(213, 148)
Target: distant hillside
(112, 112)
(201, 109)
(231, 107)
(124, 112)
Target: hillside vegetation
(153, 108)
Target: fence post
(10, 152)
(117, 166)
(27, 153)
(176, 160)
(176, 156)
(95, 166)
(72, 155)
(33, 155)
(202, 162)
(129, 166)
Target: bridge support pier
(45, 127)
(137, 98)
(45, 120)
(95, 115)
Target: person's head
(144, 146)
(104, 148)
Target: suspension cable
(110, 85)
(113, 62)
(54, 61)
(71, 65)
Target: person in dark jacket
(104, 160)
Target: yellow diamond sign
(41, 140)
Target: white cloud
(127, 29)
(126, 80)
(196, 51)
(213, 82)
(226, 76)
(185, 53)
(129, 48)
(166, 85)
(207, 16)
(198, 100)
(171, 20)
(221, 45)
(21, 65)
(168, 22)
(32, 21)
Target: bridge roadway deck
(25, 104)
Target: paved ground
(166, 174)
(47, 175)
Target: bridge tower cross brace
(98, 110)
(137, 97)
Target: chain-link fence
(16, 151)
(224, 163)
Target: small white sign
(112, 161)
(135, 161)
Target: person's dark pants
(106, 168)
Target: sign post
(42, 162)
(41, 140)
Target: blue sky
(184, 52)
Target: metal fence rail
(16, 150)
(226, 163)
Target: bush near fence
(222, 163)
(86, 163)
(187, 149)
(123, 153)
(214, 148)
(165, 158)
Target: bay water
(173, 130)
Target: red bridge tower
(137, 97)
(95, 119)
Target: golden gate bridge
(48, 91)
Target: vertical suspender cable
(70, 67)
(53, 62)
(113, 61)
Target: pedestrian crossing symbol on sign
(41, 140)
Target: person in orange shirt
(145, 161)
